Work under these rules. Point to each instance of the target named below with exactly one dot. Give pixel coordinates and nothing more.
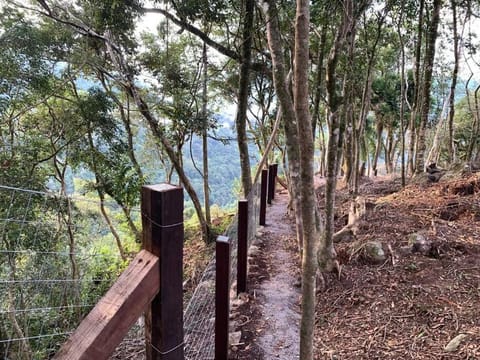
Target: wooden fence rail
(152, 283)
(106, 325)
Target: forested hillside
(100, 97)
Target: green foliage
(208, 11)
(464, 120)
(117, 16)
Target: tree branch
(260, 67)
(196, 31)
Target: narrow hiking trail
(270, 316)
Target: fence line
(74, 197)
(51, 272)
(33, 240)
(199, 323)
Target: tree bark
(416, 96)
(316, 119)
(206, 188)
(402, 93)
(451, 113)
(311, 223)
(429, 59)
(336, 125)
(287, 107)
(243, 93)
(359, 129)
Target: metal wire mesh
(55, 254)
(53, 266)
(199, 316)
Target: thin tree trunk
(269, 145)
(402, 93)
(390, 150)
(365, 105)
(206, 188)
(311, 222)
(429, 59)
(316, 119)
(157, 130)
(133, 228)
(475, 110)
(25, 351)
(348, 110)
(114, 232)
(416, 97)
(243, 93)
(451, 113)
(378, 146)
(289, 119)
(326, 253)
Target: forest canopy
(96, 102)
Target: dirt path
(272, 331)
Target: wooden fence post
(242, 246)
(222, 297)
(271, 182)
(263, 197)
(274, 180)
(162, 219)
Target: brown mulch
(412, 305)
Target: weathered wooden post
(162, 219)
(242, 246)
(222, 297)
(263, 197)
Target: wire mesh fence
(57, 258)
(199, 318)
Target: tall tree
(243, 94)
(309, 214)
(416, 106)
(453, 85)
(432, 35)
(286, 110)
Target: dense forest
(95, 102)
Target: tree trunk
(475, 110)
(289, 118)
(311, 223)
(429, 59)
(269, 145)
(316, 119)
(402, 93)
(128, 82)
(206, 188)
(390, 150)
(359, 130)
(336, 128)
(378, 146)
(451, 113)
(243, 93)
(24, 351)
(158, 132)
(416, 97)
(440, 135)
(348, 107)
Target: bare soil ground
(269, 313)
(412, 305)
(408, 307)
